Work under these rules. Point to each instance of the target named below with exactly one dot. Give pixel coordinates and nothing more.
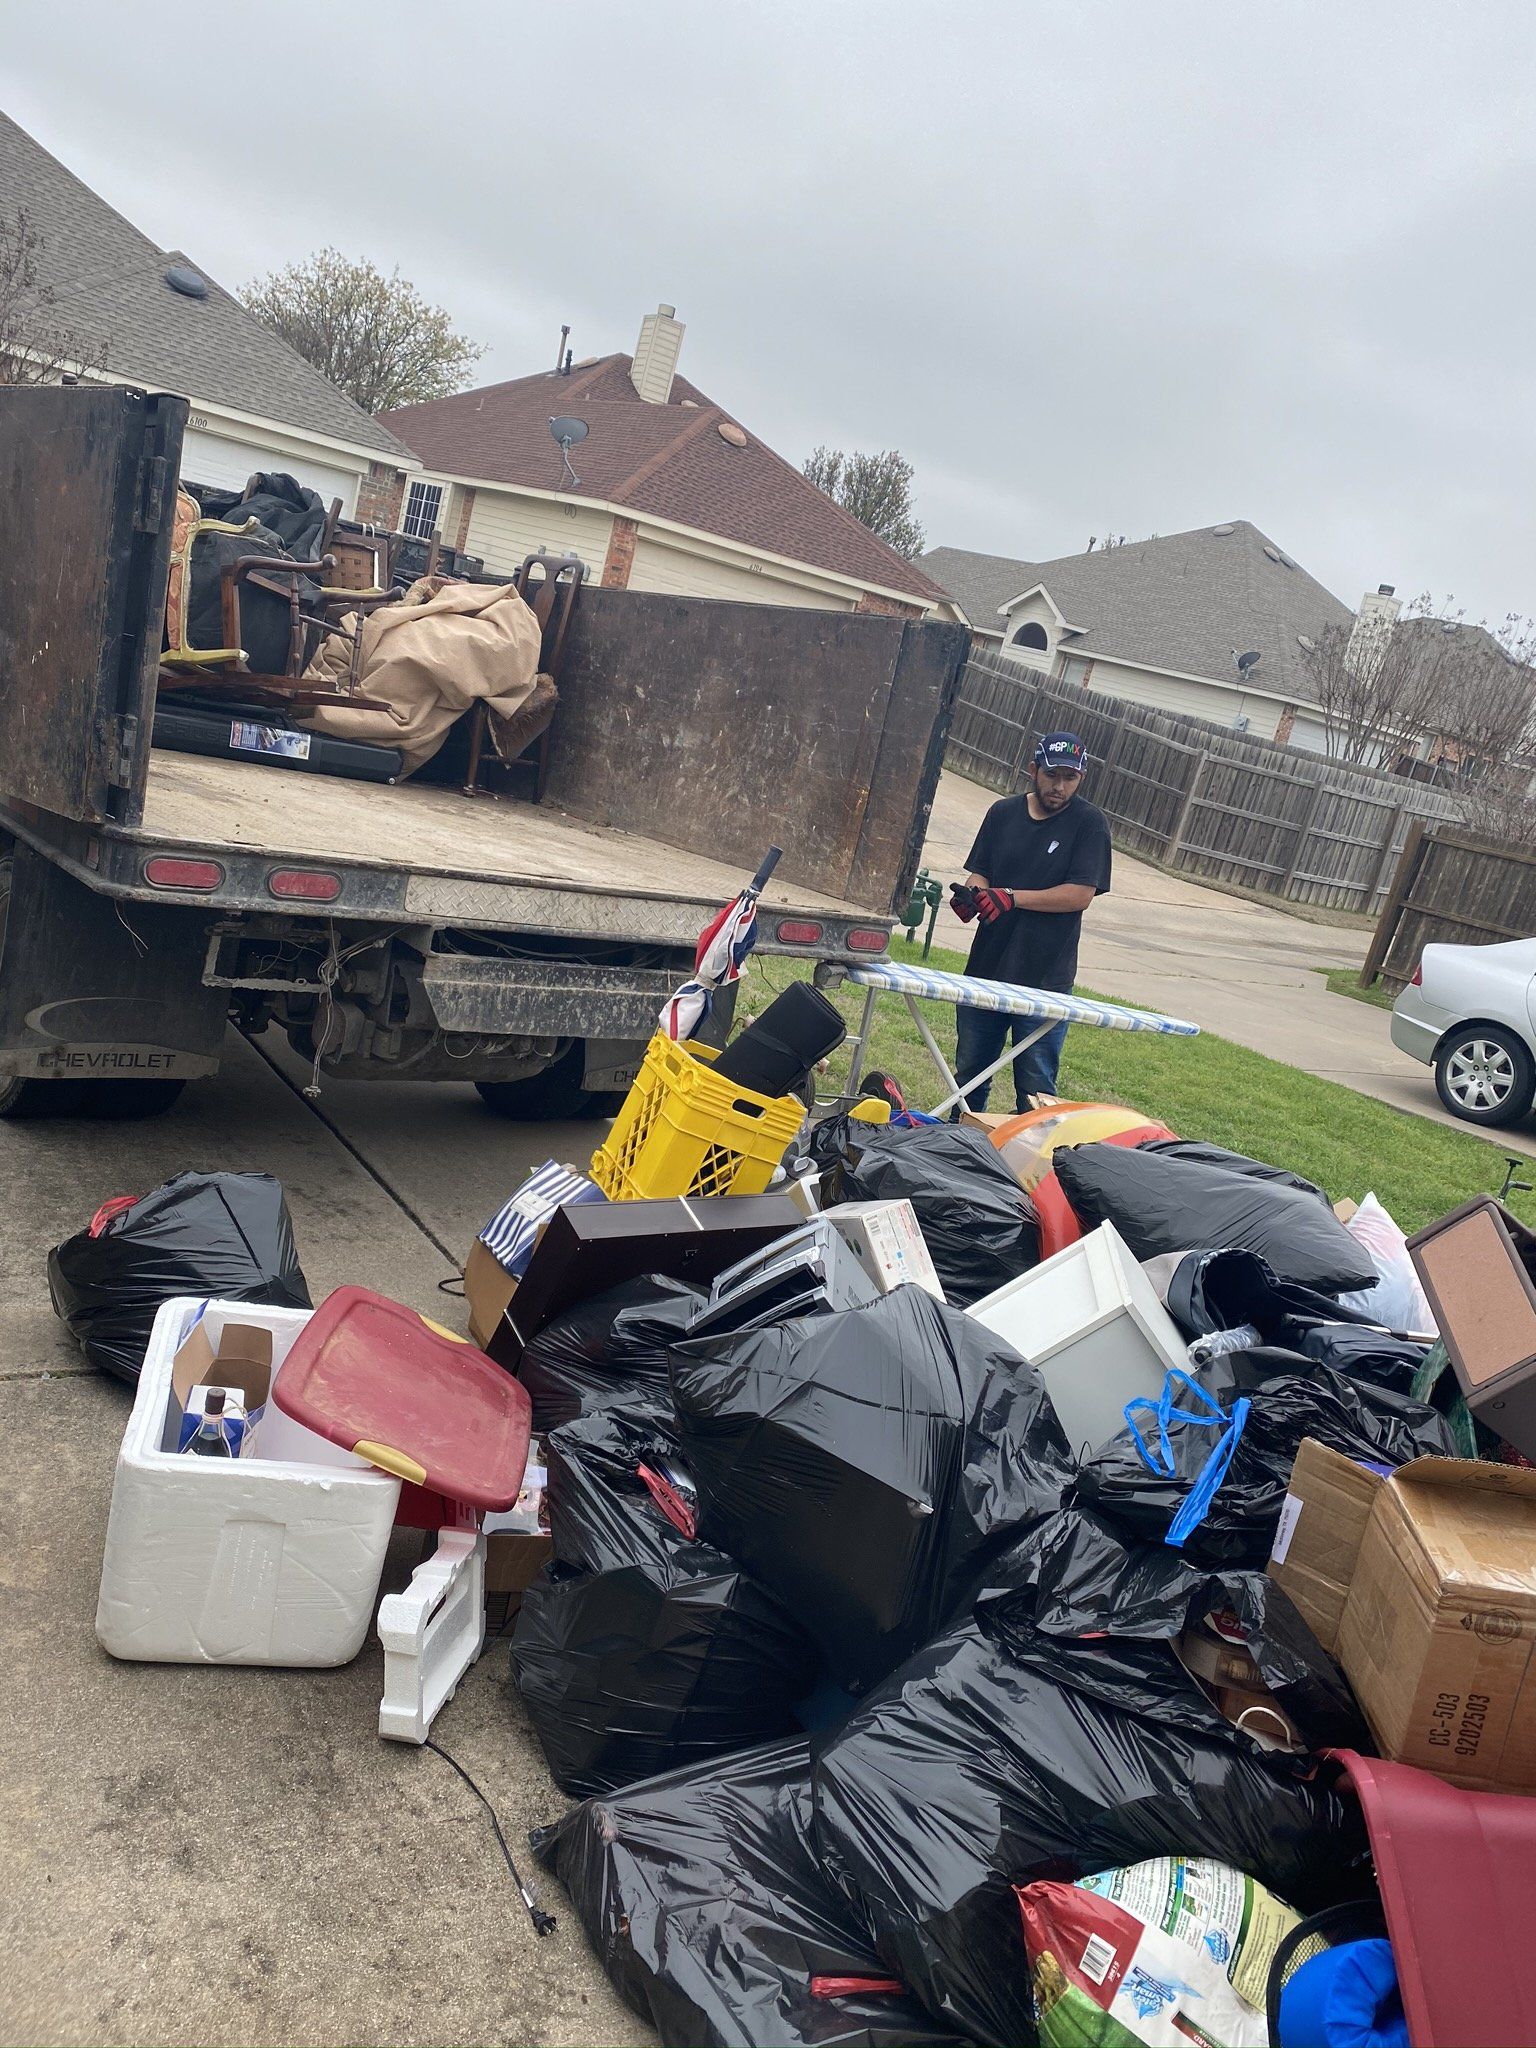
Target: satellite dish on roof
(568, 433)
(1246, 661)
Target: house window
(1031, 636)
(423, 502)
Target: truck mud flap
(86, 992)
(545, 998)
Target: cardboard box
(514, 1560)
(1328, 1503)
(1440, 1622)
(1476, 1267)
(885, 1239)
(988, 1120)
(242, 1361)
(488, 1287)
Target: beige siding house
(1214, 623)
(671, 493)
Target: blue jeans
(980, 1036)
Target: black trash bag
(868, 1466)
(1373, 1356)
(703, 1894)
(1205, 1154)
(997, 1757)
(286, 508)
(978, 1223)
(1165, 1204)
(1222, 1290)
(639, 1649)
(597, 1353)
(1080, 1580)
(1292, 1397)
(226, 1236)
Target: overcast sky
(1128, 264)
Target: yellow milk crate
(684, 1131)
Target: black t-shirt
(1037, 948)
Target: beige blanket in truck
(430, 657)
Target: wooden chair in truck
(548, 585)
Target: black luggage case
(237, 732)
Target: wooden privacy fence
(1197, 796)
(1451, 887)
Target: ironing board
(1049, 1008)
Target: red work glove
(962, 901)
(991, 904)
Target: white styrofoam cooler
(274, 1558)
(1090, 1319)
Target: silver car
(1470, 1013)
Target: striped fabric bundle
(511, 1233)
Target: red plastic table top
(369, 1374)
(1457, 1874)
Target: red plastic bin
(1457, 1875)
(373, 1376)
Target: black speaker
(776, 1054)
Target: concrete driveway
(199, 1854)
(1241, 969)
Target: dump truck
(150, 899)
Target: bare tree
(1482, 714)
(1374, 680)
(37, 343)
(876, 489)
(374, 336)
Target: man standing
(1039, 860)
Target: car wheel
(123, 1102)
(1485, 1074)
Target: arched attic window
(1031, 635)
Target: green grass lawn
(1345, 981)
(1204, 1087)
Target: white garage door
(224, 463)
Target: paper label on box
(1290, 1515)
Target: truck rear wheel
(553, 1096)
(20, 1098)
(122, 1102)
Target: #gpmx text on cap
(1063, 751)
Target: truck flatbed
(431, 853)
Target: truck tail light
(797, 931)
(308, 885)
(868, 939)
(1418, 976)
(165, 872)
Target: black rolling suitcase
(244, 732)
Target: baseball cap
(1061, 750)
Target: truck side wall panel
(726, 728)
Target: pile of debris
(1034, 1578)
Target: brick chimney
(656, 353)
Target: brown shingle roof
(668, 460)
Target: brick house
(671, 493)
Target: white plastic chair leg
(431, 1634)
